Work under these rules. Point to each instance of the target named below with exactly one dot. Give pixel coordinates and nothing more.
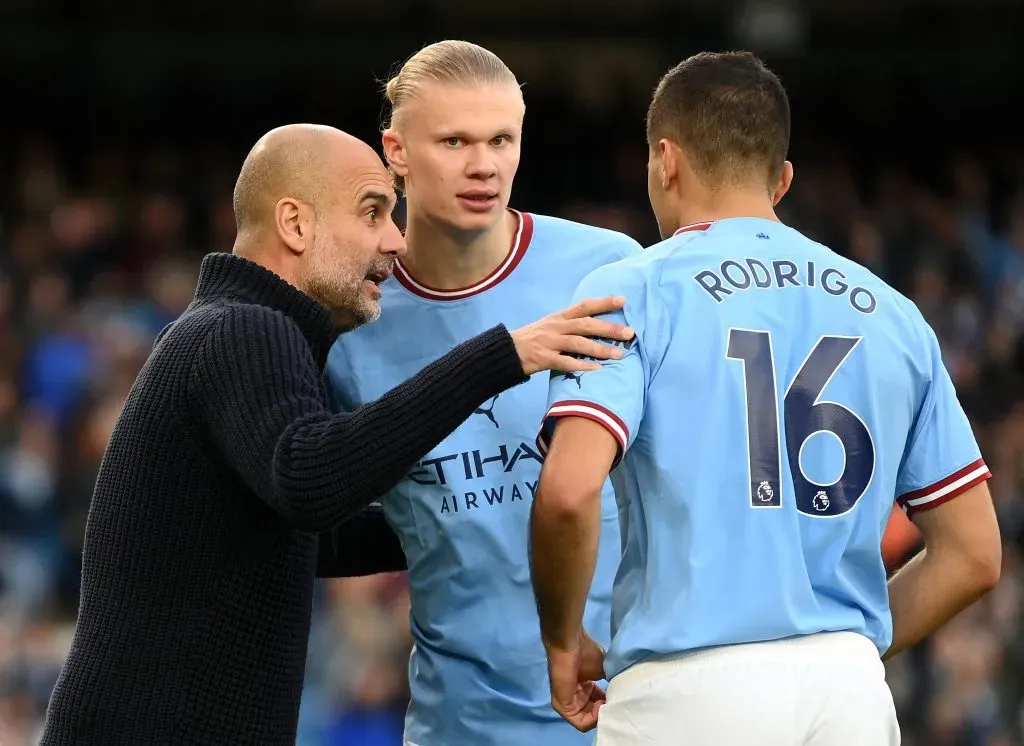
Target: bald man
(226, 465)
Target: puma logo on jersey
(488, 412)
(573, 377)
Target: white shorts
(820, 690)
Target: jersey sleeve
(942, 459)
(614, 395)
(624, 248)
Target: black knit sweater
(202, 541)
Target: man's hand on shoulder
(560, 341)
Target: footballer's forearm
(960, 563)
(564, 535)
(929, 591)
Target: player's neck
(446, 260)
(719, 205)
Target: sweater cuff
(497, 347)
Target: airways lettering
(488, 497)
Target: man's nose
(393, 242)
(481, 162)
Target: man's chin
(347, 319)
(461, 220)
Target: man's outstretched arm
(316, 468)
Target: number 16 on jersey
(804, 416)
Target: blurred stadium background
(124, 125)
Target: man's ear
(670, 158)
(785, 181)
(394, 151)
(293, 225)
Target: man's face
(460, 149)
(355, 244)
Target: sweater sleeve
(362, 545)
(259, 396)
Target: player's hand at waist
(559, 341)
(574, 672)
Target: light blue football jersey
(776, 400)
(478, 673)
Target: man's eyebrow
(375, 196)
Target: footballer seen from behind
(478, 672)
(777, 398)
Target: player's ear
(394, 151)
(669, 156)
(785, 180)
(293, 224)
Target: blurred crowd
(99, 249)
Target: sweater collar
(223, 275)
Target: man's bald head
(301, 161)
(313, 205)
